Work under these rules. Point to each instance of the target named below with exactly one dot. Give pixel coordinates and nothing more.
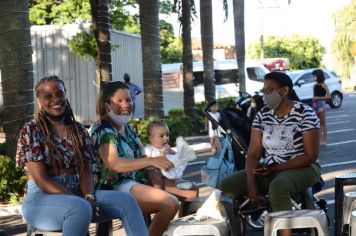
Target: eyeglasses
(267, 91)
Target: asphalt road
(337, 157)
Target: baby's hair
(155, 124)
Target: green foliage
(12, 181)
(171, 47)
(83, 45)
(302, 51)
(54, 12)
(345, 26)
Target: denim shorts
(319, 105)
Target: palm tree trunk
(207, 41)
(189, 103)
(16, 69)
(151, 58)
(239, 25)
(101, 28)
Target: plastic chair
(340, 182)
(297, 219)
(208, 226)
(349, 206)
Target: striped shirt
(283, 137)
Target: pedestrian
(320, 95)
(255, 106)
(122, 161)
(214, 132)
(57, 152)
(282, 157)
(134, 90)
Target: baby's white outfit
(179, 160)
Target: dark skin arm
(254, 154)
(311, 152)
(87, 181)
(38, 173)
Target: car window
(326, 75)
(255, 73)
(260, 74)
(308, 78)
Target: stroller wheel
(254, 222)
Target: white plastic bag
(210, 207)
(179, 160)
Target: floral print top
(31, 146)
(128, 146)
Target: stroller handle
(207, 114)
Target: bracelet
(89, 197)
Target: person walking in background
(214, 133)
(134, 90)
(256, 105)
(320, 95)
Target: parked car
(303, 85)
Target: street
(338, 157)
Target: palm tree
(101, 27)
(151, 58)
(16, 69)
(207, 41)
(189, 103)
(239, 25)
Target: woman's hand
(253, 194)
(161, 162)
(265, 170)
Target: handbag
(219, 166)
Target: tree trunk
(207, 42)
(101, 29)
(189, 102)
(239, 25)
(151, 58)
(16, 69)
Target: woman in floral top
(57, 153)
(121, 155)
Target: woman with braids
(57, 153)
(121, 153)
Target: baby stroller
(237, 128)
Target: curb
(10, 211)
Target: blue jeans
(72, 214)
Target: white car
(303, 85)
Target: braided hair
(72, 130)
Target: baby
(158, 138)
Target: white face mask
(119, 119)
(253, 105)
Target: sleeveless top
(319, 91)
